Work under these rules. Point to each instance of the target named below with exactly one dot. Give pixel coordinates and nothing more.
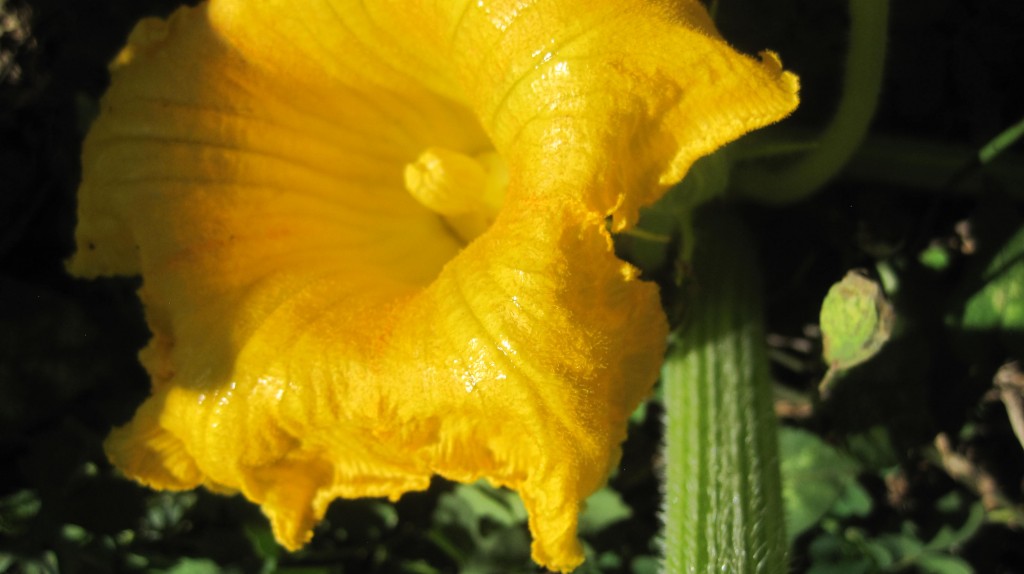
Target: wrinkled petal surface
(319, 333)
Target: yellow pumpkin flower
(374, 239)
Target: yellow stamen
(466, 191)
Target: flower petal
(317, 331)
(621, 94)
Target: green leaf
(847, 566)
(952, 502)
(418, 567)
(45, 564)
(483, 528)
(852, 501)
(882, 554)
(873, 448)
(166, 510)
(74, 533)
(17, 509)
(481, 500)
(856, 320)
(607, 561)
(604, 507)
(935, 257)
(194, 566)
(644, 565)
(999, 304)
(831, 554)
(905, 545)
(385, 512)
(262, 540)
(948, 537)
(935, 563)
(827, 546)
(817, 479)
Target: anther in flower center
(466, 191)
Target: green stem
(723, 509)
(916, 164)
(862, 83)
(1002, 141)
(934, 167)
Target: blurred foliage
(852, 550)
(999, 303)
(817, 480)
(867, 487)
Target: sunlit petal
(373, 240)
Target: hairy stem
(722, 506)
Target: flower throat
(465, 191)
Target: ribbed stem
(722, 509)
